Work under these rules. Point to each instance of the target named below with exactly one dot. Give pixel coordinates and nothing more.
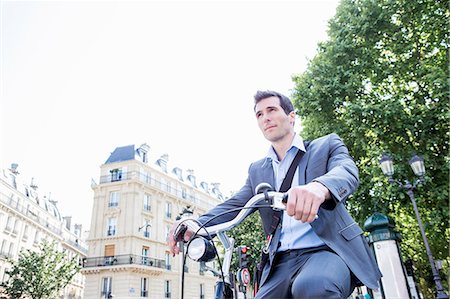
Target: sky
(80, 78)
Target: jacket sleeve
(341, 176)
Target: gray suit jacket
(326, 161)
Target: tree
(249, 233)
(381, 82)
(40, 274)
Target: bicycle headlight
(201, 250)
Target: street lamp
(417, 165)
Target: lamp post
(417, 165)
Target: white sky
(79, 79)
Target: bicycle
(200, 248)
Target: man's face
(274, 123)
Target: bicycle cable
(203, 226)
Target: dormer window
(205, 186)
(191, 178)
(178, 172)
(144, 157)
(142, 152)
(162, 162)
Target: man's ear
(292, 116)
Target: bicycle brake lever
(279, 202)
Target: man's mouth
(269, 127)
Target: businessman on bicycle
(315, 249)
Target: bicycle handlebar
(275, 200)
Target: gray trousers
(308, 273)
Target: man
(316, 249)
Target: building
(26, 218)
(135, 205)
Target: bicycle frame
(225, 286)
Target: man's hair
(285, 102)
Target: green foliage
(40, 274)
(381, 82)
(250, 234)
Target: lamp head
(387, 165)
(417, 165)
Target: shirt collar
(297, 143)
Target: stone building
(27, 218)
(135, 204)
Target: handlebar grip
(179, 233)
(285, 197)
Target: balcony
(116, 177)
(113, 204)
(150, 181)
(125, 259)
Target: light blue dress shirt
(294, 234)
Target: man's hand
(304, 201)
(172, 243)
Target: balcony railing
(125, 259)
(146, 179)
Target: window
(3, 249)
(16, 226)
(106, 287)
(168, 210)
(116, 174)
(6, 275)
(147, 202)
(8, 227)
(167, 258)
(25, 233)
(37, 237)
(167, 231)
(113, 199)
(149, 178)
(111, 229)
(202, 291)
(167, 289)
(11, 250)
(144, 287)
(147, 228)
(144, 159)
(145, 250)
(109, 254)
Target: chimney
(33, 184)
(14, 168)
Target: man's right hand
(172, 243)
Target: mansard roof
(123, 153)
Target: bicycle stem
(228, 244)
